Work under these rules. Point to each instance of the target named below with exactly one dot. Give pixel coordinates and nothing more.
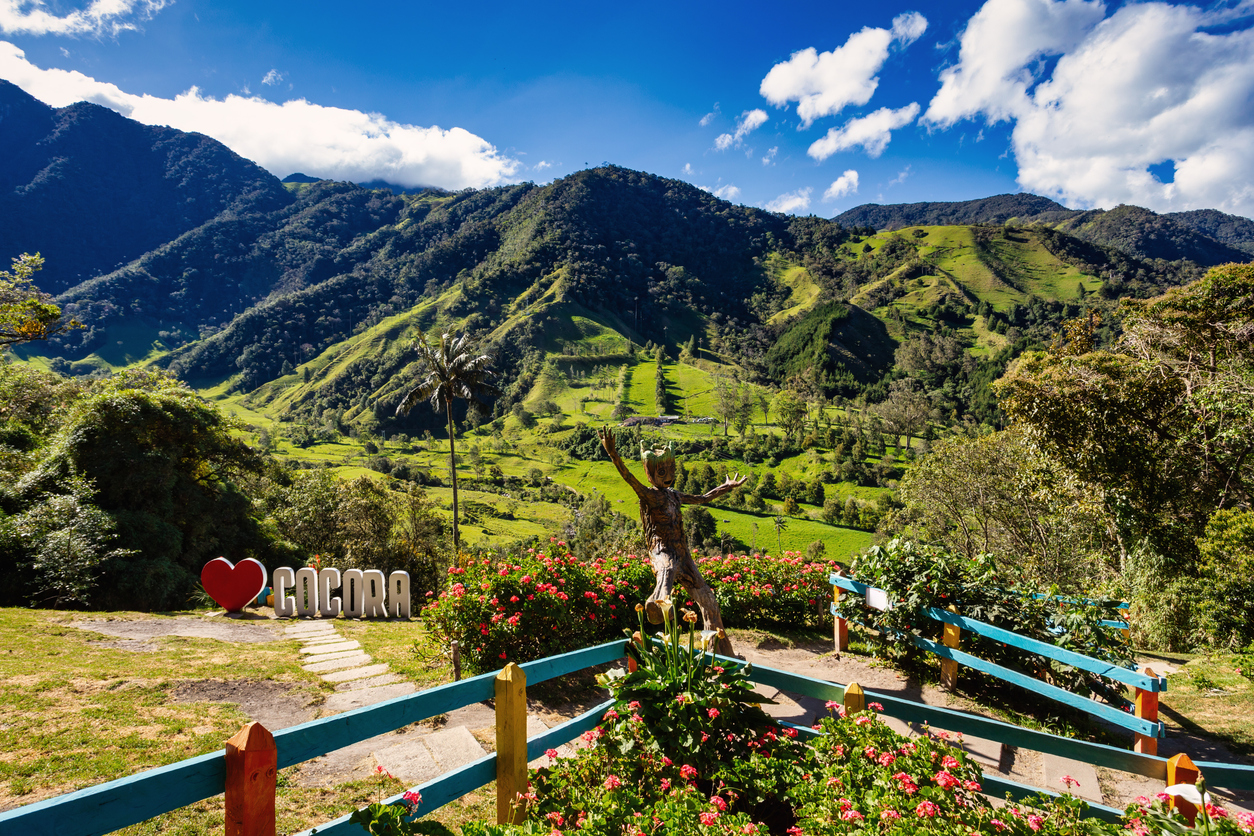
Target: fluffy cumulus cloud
(748, 122)
(728, 192)
(101, 17)
(872, 132)
(294, 136)
(1151, 83)
(825, 83)
(845, 184)
(791, 202)
(273, 77)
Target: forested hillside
(90, 189)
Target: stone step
(348, 700)
(416, 760)
(1054, 768)
(354, 673)
(371, 682)
(305, 628)
(352, 661)
(327, 657)
(322, 638)
(330, 648)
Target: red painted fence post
(251, 777)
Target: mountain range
(173, 250)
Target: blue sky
(800, 107)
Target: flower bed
(503, 608)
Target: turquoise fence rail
(127, 801)
(1143, 723)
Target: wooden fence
(246, 769)
(1142, 719)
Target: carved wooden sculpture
(664, 534)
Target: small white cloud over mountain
(1147, 85)
(823, 84)
(845, 184)
(748, 122)
(791, 202)
(871, 132)
(296, 135)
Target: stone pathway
(414, 755)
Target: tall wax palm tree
(452, 368)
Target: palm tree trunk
(452, 469)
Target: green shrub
(917, 577)
(766, 591)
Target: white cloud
(791, 202)
(688, 170)
(542, 165)
(873, 132)
(901, 177)
(771, 153)
(273, 77)
(748, 122)
(294, 136)
(709, 117)
(101, 17)
(1141, 87)
(997, 50)
(845, 184)
(728, 192)
(825, 83)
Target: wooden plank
(848, 584)
(435, 794)
(956, 721)
(511, 744)
(1067, 657)
(830, 691)
(1230, 776)
(108, 807)
(567, 731)
(1106, 712)
(999, 787)
(550, 667)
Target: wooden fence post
(855, 699)
(842, 624)
(457, 661)
(949, 667)
(1147, 709)
(1180, 770)
(251, 777)
(511, 743)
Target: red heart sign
(233, 587)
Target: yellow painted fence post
(1180, 770)
(855, 699)
(511, 743)
(949, 667)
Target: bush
(766, 591)
(917, 577)
(505, 609)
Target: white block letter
(328, 579)
(398, 595)
(306, 591)
(373, 584)
(354, 600)
(284, 579)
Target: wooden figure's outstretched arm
(731, 484)
(607, 441)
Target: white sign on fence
(877, 599)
